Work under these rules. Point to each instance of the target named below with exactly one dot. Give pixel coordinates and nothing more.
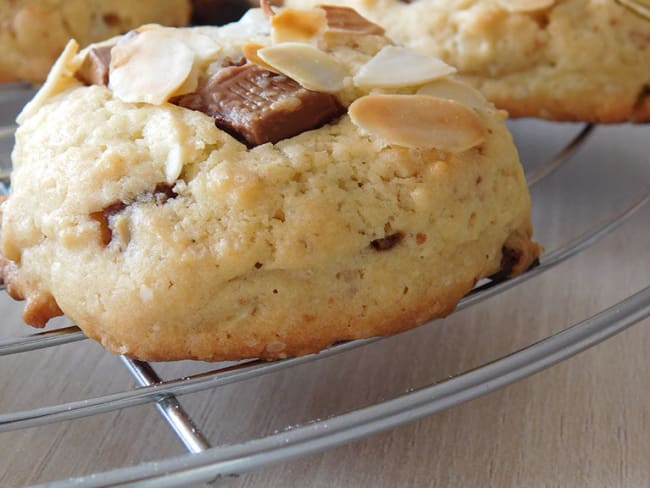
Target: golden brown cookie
(34, 32)
(270, 192)
(570, 60)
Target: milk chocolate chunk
(94, 69)
(258, 106)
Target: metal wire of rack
(205, 463)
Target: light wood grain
(584, 422)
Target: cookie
(281, 186)
(567, 60)
(34, 32)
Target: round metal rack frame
(205, 463)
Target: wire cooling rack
(205, 462)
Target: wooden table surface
(584, 422)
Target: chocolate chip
(106, 234)
(388, 242)
(111, 19)
(509, 259)
(164, 192)
(161, 193)
(94, 69)
(258, 106)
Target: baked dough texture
(269, 251)
(34, 32)
(570, 60)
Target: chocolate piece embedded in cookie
(258, 106)
(94, 69)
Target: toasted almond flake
(252, 24)
(395, 66)
(294, 25)
(147, 27)
(190, 84)
(525, 5)
(249, 51)
(455, 90)
(141, 68)
(419, 121)
(346, 20)
(205, 48)
(173, 164)
(307, 65)
(60, 77)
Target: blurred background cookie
(581, 60)
(34, 32)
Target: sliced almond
(307, 65)
(347, 20)
(419, 121)
(190, 84)
(145, 27)
(395, 66)
(60, 77)
(455, 90)
(252, 23)
(205, 48)
(150, 67)
(249, 51)
(525, 5)
(295, 25)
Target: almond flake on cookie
(419, 121)
(141, 70)
(309, 66)
(295, 25)
(526, 5)
(455, 90)
(395, 66)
